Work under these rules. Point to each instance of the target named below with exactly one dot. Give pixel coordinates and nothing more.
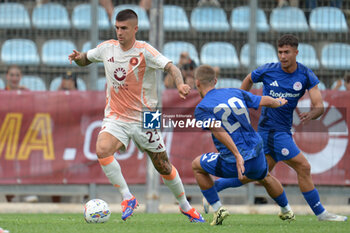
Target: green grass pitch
(153, 223)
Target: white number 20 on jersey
(233, 102)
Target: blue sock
(211, 195)
(313, 199)
(223, 183)
(281, 200)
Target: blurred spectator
(342, 84)
(283, 3)
(189, 80)
(13, 77)
(108, 5)
(69, 82)
(186, 65)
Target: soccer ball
(96, 211)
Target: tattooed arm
(175, 73)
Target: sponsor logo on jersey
(283, 95)
(297, 86)
(120, 74)
(274, 84)
(134, 61)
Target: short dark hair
(126, 15)
(288, 39)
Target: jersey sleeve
(313, 80)
(154, 58)
(251, 100)
(94, 55)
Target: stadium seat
(265, 53)
(175, 18)
(33, 83)
(50, 16)
(101, 84)
(19, 52)
(341, 88)
(13, 16)
(328, 19)
(336, 56)
(141, 14)
(240, 20)
(81, 17)
(55, 52)
(172, 50)
(228, 83)
(288, 19)
(222, 54)
(307, 56)
(209, 19)
(2, 84)
(56, 82)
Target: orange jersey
(131, 78)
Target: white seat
(240, 19)
(2, 84)
(50, 16)
(288, 19)
(81, 17)
(209, 19)
(265, 53)
(20, 52)
(172, 50)
(175, 18)
(55, 52)
(101, 84)
(328, 19)
(221, 54)
(336, 56)
(14, 16)
(307, 56)
(33, 83)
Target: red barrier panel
(49, 138)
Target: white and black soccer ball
(96, 211)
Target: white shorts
(145, 139)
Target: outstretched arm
(247, 83)
(224, 138)
(175, 73)
(272, 102)
(79, 58)
(317, 107)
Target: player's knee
(103, 150)
(304, 169)
(196, 165)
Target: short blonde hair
(205, 74)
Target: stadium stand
(240, 19)
(222, 54)
(50, 16)
(81, 17)
(322, 86)
(209, 19)
(141, 14)
(328, 19)
(55, 52)
(288, 19)
(33, 83)
(173, 49)
(56, 82)
(228, 83)
(175, 19)
(14, 16)
(307, 56)
(265, 53)
(336, 56)
(19, 52)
